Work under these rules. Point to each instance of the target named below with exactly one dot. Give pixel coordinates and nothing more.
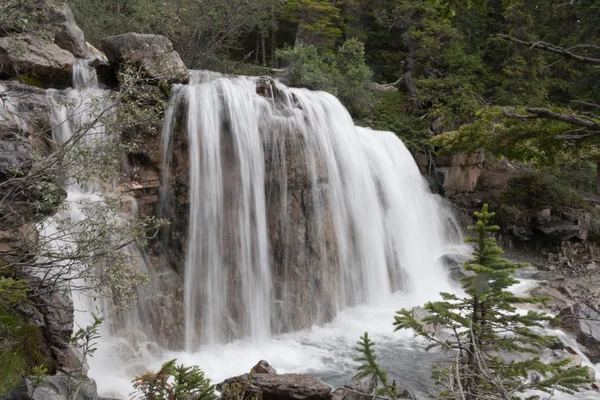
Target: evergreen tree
(370, 368)
(174, 382)
(486, 329)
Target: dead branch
(549, 47)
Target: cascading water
(283, 169)
(297, 217)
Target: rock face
(455, 173)
(24, 125)
(56, 387)
(299, 249)
(583, 322)
(280, 387)
(28, 54)
(154, 54)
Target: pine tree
(486, 329)
(174, 382)
(370, 368)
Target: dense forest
(516, 78)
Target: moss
(21, 351)
(29, 80)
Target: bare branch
(554, 49)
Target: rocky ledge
(264, 383)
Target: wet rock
(56, 387)
(29, 55)
(263, 367)
(420, 313)
(279, 387)
(154, 54)
(584, 322)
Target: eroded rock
(267, 386)
(154, 54)
(29, 55)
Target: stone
(364, 389)
(263, 367)
(68, 35)
(562, 230)
(58, 317)
(544, 217)
(280, 386)
(29, 55)
(586, 224)
(420, 313)
(55, 387)
(584, 322)
(154, 54)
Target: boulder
(68, 35)
(263, 367)
(561, 230)
(33, 58)
(154, 55)
(56, 387)
(584, 322)
(279, 386)
(365, 388)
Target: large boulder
(56, 387)
(153, 54)
(268, 386)
(68, 35)
(35, 60)
(583, 322)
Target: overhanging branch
(549, 47)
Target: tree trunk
(264, 50)
(408, 67)
(597, 177)
(273, 48)
(257, 50)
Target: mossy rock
(21, 352)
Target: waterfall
(295, 213)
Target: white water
(389, 231)
(390, 236)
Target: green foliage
(343, 74)
(20, 343)
(531, 140)
(389, 114)
(370, 368)
(486, 326)
(174, 382)
(536, 189)
(317, 21)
